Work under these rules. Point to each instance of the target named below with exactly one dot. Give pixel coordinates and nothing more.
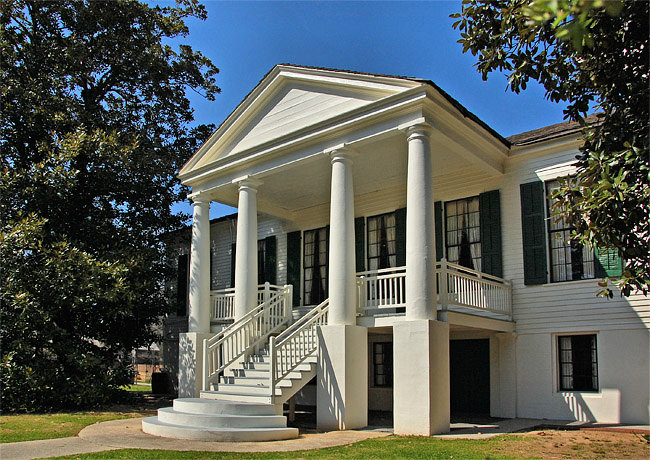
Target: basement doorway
(469, 377)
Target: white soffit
(290, 99)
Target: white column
(420, 235)
(199, 317)
(246, 252)
(342, 254)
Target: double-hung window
(578, 362)
(382, 251)
(463, 232)
(569, 260)
(315, 266)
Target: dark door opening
(469, 376)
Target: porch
(381, 297)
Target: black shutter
(608, 263)
(181, 285)
(437, 215)
(490, 220)
(233, 248)
(293, 264)
(359, 242)
(270, 259)
(533, 233)
(400, 237)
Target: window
(383, 364)
(382, 251)
(569, 260)
(261, 261)
(315, 266)
(463, 232)
(578, 362)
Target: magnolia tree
(94, 123)
(592, 55)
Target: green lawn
(28, 427)
(391, 447)
(139, 387)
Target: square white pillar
(342, 378)
(503, 375)
(190, 363)
(421, 377)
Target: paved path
(126, 434)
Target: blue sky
(245, 39)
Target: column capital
(247, 182)
(199, 198)
(341, 153)
(417, 130)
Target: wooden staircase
(245, 402)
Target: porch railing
(222, 301)
(465, 287)
(289, 349)
(247, 334)
(379, 290)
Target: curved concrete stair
(218, 420)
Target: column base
(421, 377)
(190, 363)
(342, 378)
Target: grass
(139, 387)
(29, 427)
(391, 447)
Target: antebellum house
(398, 251)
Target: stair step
(255, 381)
(152, 425)
(174, 417)
(236, 397)
(212, 406)
(246, 389)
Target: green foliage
(589, 54)
(94, 124)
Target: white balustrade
(457, 286)
(222, 301)
(289, 349)
(246, 335)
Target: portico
(369, 143)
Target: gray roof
(551, 132)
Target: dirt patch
(561, 444)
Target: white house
(396, 247)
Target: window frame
(304, 266)
(446, 246)
(551, 277)
(367, 245)
(388, 370)
(595, 377)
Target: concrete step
(237, 397)
(212, 406)
(173, 417)
(152, 425)
(253, 389)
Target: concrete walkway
(126, 434)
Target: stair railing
(247, 334)
(289, 349)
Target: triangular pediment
(290, 100)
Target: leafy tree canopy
(94, 124)
(591, 54)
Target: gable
(290, 101)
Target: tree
(94, 124)
(593, 55)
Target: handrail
(245, 334)
(222, 301)
(289, 349)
